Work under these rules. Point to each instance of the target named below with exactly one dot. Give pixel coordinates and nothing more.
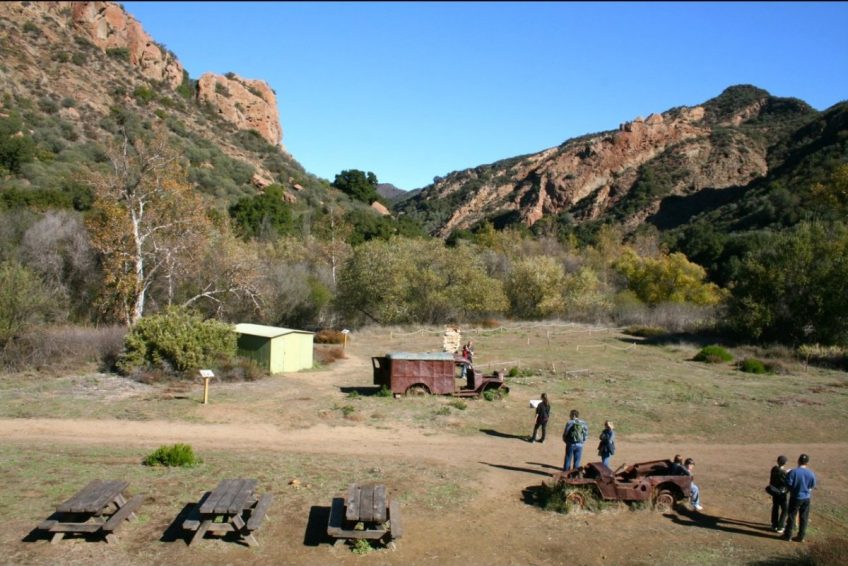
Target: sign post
(206, 374)
(345, 332)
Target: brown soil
(496, 527)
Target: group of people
(789, 489)
(574, 435)
(790, 492)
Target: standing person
(800, 481)
(543, 411)
(695, 493)
(606, 448)
(468, 352)
(575, 434)
(779, 495)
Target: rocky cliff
(627, 171)
(248, 104)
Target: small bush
(143, 95)
(493, 394)
(442, 411)
(325, 356)
(519, 372)
(177, 455)
(238, 369)
(458, 404)
(361, 546)
(353, 395)
(347, 410)
(329, 336)
(384, 392)
(555, 498)
(713, 354)
(119, 53)
(79, 58)
(752, 365)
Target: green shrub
(120, 53)
(178, 339)
(752, 365)
(442, 411)
(347, 410)
(458, 404)
(361, 546)
(556, 498)
(494, 394)
(143, 95)
(384, 392)
(177, 455)
(519, 372)
(353, 395)
(79, 58)
(713, 354)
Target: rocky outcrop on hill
(628, 170)
(108, 26)
(247, 104)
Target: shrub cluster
(329, 336)
(178, 339)
(752, 365)
(177, 455)
(713, 354)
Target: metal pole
(205, 390)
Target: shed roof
(421, 356)
(266, 331)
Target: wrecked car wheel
(417, 391)
(664, 502)
(576, 499)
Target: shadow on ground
(316, 527)
(492, 432)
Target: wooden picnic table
(231, 507)
(99, 507)
(368, 504)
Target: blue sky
(415, 90)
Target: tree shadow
(689, 518)
(316, 527)
(492, 432)
(364, 391)
(518, 469)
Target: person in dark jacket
(779, 495)
(800, 481)
(606, 448)
(543, 412)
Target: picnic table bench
(99, 507)
(366, 512)
(231, 507)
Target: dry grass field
(462, 470)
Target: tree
(146, 218)
(667, 279)
(358, 185)
(412, 280)
(534, 287)
(266, 214)
(23, 300)
(793, 289)
(16, 147)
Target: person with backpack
(575, 434)
(606, 447)
(800, 481)
(543, 412)
(779, 495)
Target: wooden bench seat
(257, 516)
(125, 512)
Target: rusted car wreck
(653, 481)
(438, 373)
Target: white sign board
(535, 402)
(206, 373)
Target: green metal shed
(278, 350)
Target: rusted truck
(654, 481)
(437, 373)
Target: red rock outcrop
(599, 170)
(108, 26)
(247, 104)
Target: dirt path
(497, 527)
